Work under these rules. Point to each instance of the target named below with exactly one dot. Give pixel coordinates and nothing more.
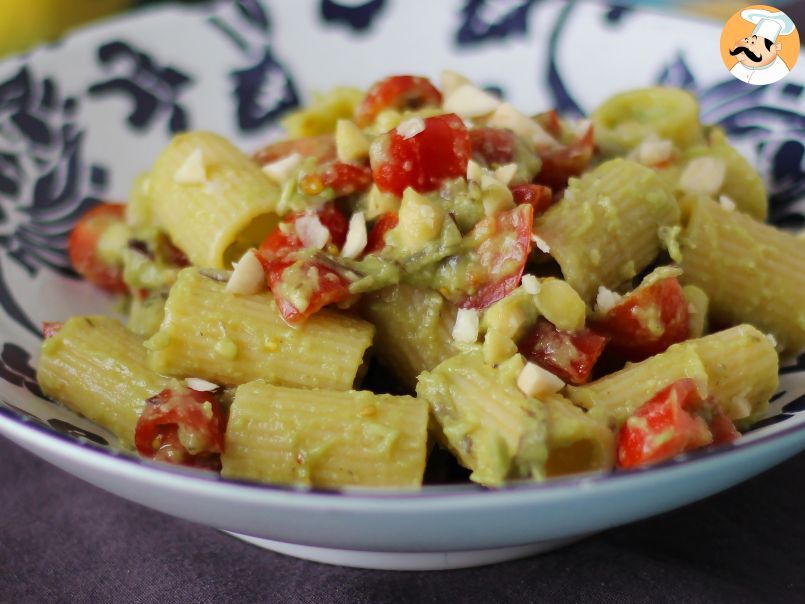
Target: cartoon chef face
(755, 51)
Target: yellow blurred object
(24, 23)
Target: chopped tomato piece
(284, 239)
(440, 151)
(648, 320)
(538, 197)
(673, 421)
(83, 247)
(182, 426)
(346, 179)
(561, 162)
(302, 287)
(549, 120)
(51, 328)
(493, 145)
(376, 240)
(570, 355)
(320, 147)
(396, 92)
(500, 246)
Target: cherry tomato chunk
(502, 245)
(284, 240)
(422, 161)
(648, 320)
(376, 240)
(346, 179)
(398, 92)
(182, 426)
(83, 247)
(538, 197)
(561, 162)
(570, 355)
(51, 328)
(673, 421)
(493, 146)
(321, 147)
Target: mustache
(743, 49)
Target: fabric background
(62, 540)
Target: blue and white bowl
(80, 119)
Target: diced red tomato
(182, 426)
(326, 286)
(648, 320)
(493, 145)
(83, 247)
(376, 240)
(549, 120)
(673, 421)
(570, 355)
(396, 92)
(321, 147)
(538, 197)
(345, 179)
(501, 246)
(423, 161)
(562, 162)
(278, 243)
(51, 328)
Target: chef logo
(759, 45)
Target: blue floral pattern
(493, 20)
(358, 17)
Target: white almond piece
(606, 299)
(505, 173)
(356, 236)
(351, 144)
(506, 116)
(411, 127)
(726, 202)
(582, 127)
(311, 231)
(247, 277)
(192, 171)
(452, 81)
(530, 284)
(474, 170)
(653, 150)
(469, 101)
(536, 381)
(200, 385)
(281, 170)
(466, 327)
(541, 244)
(703, 175)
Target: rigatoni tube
(605, 229)
(751, 272)
(213, 200)
(97, 367)
(230, 339)
(325, 438)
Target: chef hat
(769, 24)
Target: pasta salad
(545, 297)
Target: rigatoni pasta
(228, 339)
(750, 271)
(325, 438)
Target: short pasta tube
(751, 272)
(230, 339)
(325, 438)
(97, 367)
(577, 442)
(742, 368)
(414, 329)
(485, 419)
(606, 228)
(213, 200)
(615, 397)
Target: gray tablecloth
(62, 540)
